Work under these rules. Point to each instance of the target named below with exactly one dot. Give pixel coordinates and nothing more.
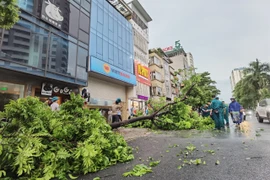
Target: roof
(140, 8)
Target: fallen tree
(155, 115)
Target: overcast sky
(221, 34)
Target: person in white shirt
(55, 105)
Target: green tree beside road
(255, 85)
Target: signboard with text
(142, 74)
(101, 67)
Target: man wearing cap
(216, 113)
(55, 105)
(234, 110)
(116, 107)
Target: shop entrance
(10, 91)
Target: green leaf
(72, 177)
(179, 167)
(96, 178)
(217, 162)
(154, 163)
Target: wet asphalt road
(243, 155)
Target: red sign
(170, 48)
(142, 74)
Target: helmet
(118, 100)
(54, 99)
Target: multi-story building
(179, 58)
(46, 53)
(160, 74)
(111, 67)
(140, 19)
(236, 75)
(190, 62)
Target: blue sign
(106, 69)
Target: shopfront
(10, 91)
(142, 73)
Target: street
(242, 154)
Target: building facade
(111, 63)
(190, 62)
(179, 58)
(140, 19)
(159, 65)
(236, 75)
(46, 53)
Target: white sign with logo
(52, 13)
(46, 89)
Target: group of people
(219, 112)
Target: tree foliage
(203, 90)
(9, 13)
(255, 85)
(179, 114)
(37, 143)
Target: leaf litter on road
(138, 170)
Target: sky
(220, 34)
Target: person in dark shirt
(234, 110)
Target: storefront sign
(53, 13)
(142, 74)
(142, 97)
(106, 69)
(46, 89)
(3, 88)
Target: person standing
(55, 105)
(205, 111)
(216, 113)
(226, 113)
(115, 110)
(234, 110)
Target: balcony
(122, 7)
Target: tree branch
(151, 116)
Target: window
(156, 91)
(62, 56)
(28, 49)
(155, 60)
(156, 75)
(74, 21)
(10, 91)
(82, 57)
(27, 5)
(83, 37)
(85, 5)
(84, 22)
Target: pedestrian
(234, 110)
(55, 105)
(217, 113)
(110, 116)
(115, 110)
(226, 113)
(48, 101)
(146, 111)
(205, 111)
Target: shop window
(10, 91)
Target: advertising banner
(142, 74)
